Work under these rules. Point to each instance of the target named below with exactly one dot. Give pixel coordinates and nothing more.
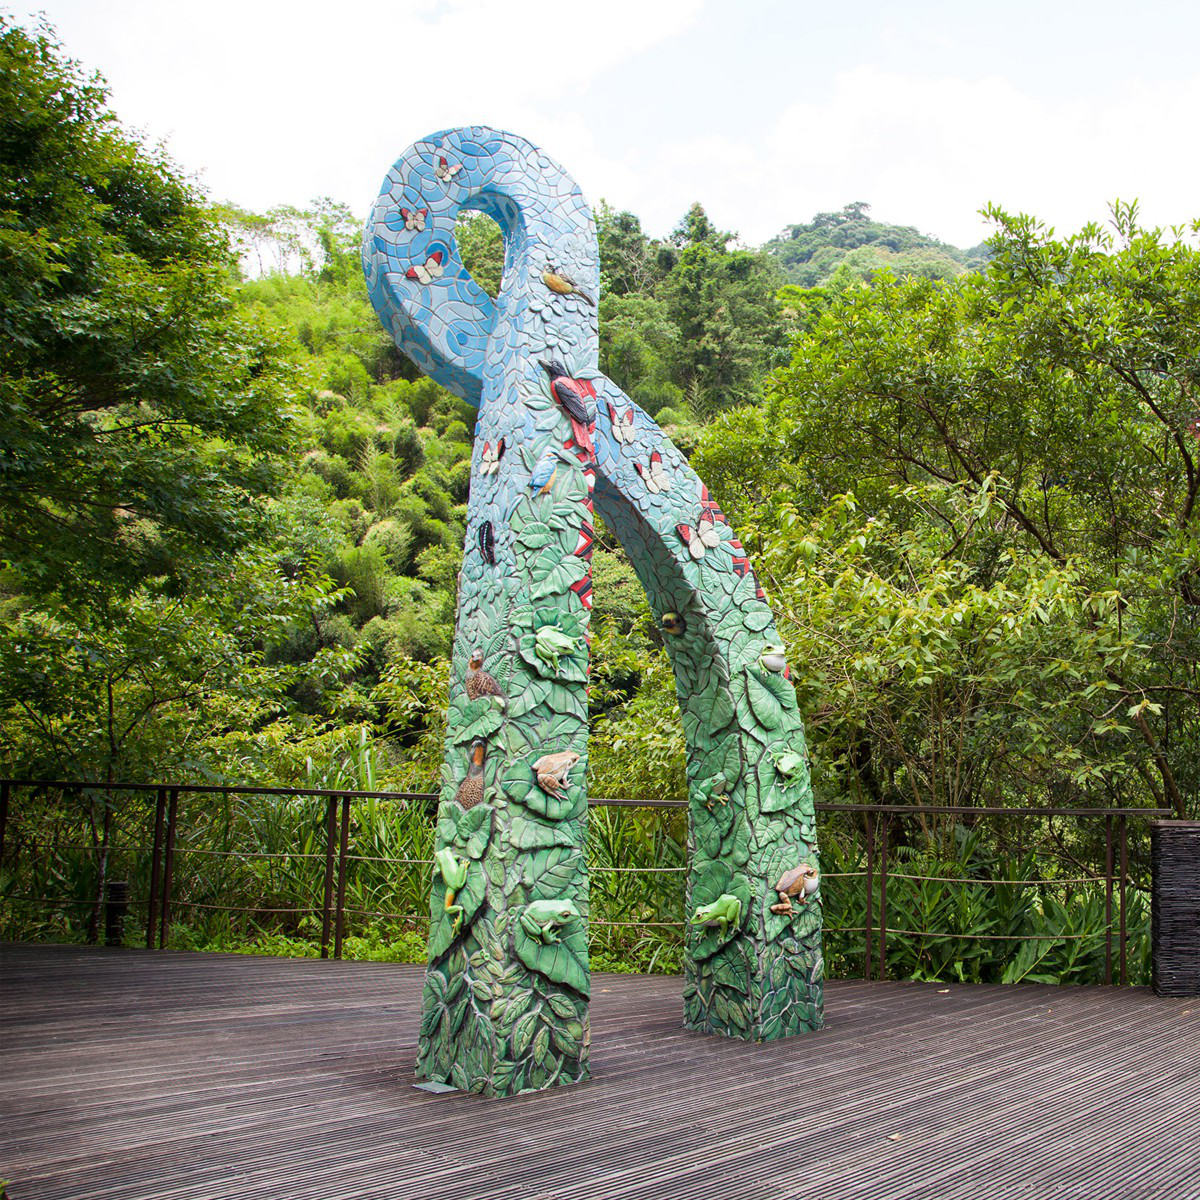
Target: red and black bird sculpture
(572, 396)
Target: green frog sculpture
(506, 994)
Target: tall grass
(967, 905)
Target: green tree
(141, 413)
(811, 253)
(637, 345)
(481, 246)
(723, 303)
(627, 260)
(1058, 392)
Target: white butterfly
(655, 477)
(491, 458)
(622, 427)
(427, 271)
(414, 219)
(702, 538)
(444, 171)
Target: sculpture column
(506, 993)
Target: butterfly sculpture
(655, 476)
(487, 543)
(414, 219)
(491, 457)
(429, 270)
(700, 538)
(622, 427)
(446, 171)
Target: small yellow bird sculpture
(562, 284)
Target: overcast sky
(766, 112)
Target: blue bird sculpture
(544, 472)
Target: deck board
(136, 1075)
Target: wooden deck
(132, 1075)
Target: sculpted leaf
(563, 961)
(766, 708)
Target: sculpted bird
(673, 623)
(470, 791)
(557, 280)
(544, 471)
(572, 396)
(478, 681)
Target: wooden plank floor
(133, 1075)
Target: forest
(232, 516)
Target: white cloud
(275, 103)
(930, 152)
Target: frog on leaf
(550, 644)
(798, 883)
(789, 763)
(714, 792)
(542, 918)
(454, 875)
(552, 771)
(724, 911)
(773, 658)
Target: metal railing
(877, 825)
(876, 822)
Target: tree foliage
(141, 413)
(1020, 444)
(233, 514)
(836, 247)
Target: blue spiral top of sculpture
(437, 314)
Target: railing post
(116, 908)
(160, 813)
(883, 869)
(869, 932)
(164, 926)
(343, 850)
(1124, 886)
(327, 906)
(1108, 896)
(1175, 907)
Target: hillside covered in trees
(839, 247)
(233, 514)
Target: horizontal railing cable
(594, 801)
(869, 827)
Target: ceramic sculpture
(506, 994)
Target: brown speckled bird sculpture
(478, 681)
(470, 791)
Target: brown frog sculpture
(800, 882)
(552, 771)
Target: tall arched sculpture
(506, 994)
